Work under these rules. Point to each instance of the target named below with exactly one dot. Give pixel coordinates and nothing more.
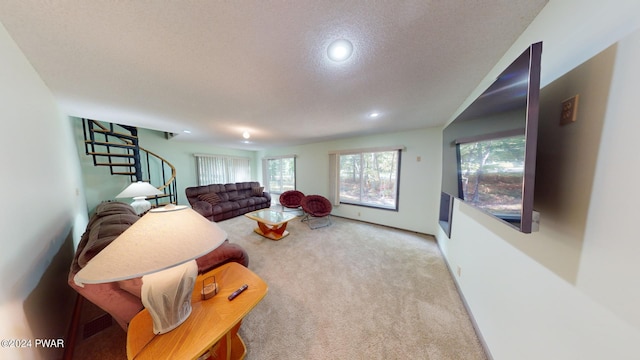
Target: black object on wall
(489, 150)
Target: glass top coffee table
(271, 224)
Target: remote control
(238, 292)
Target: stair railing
(126, 153)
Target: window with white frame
(367, 177)
(280, 173)
(221, 169)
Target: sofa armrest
(227, 252)
(204, 208)
(120, 304)
(267, 195)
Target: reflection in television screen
(491, 175)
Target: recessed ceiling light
(374, 114)
(246, 135)
(340, 50)
(186, 131)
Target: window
(280, 174)
(369, 178)
(220, 169)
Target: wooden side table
(212, 326)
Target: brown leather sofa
(122, 299)
(218, 202)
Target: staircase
(116, 146)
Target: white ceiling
(218, 68)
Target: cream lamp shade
(163, 238)
(162, 244)
(139, 191)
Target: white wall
(43, 215)
(560, 293)
(419, 180)
(612, 232)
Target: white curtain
(334, 179)
(220, 169)
(265, 175)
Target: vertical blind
(220, 169)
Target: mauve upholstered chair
(316, 207)
(291, 199)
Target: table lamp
(161, 248)
(139, 191)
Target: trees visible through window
(281, 174)
(370, 178)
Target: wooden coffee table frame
(274, 227)
(212, 326)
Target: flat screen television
(489, 150)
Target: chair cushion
(316, 205)
(211, 198)
(111, 220)
(291, 198)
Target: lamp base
(167, 295)
(140, 204)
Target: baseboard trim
(386, 226)
(476, 328)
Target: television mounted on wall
(489, 150)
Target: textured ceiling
(219, 68)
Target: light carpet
(352, 290)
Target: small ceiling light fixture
(246, 135)
(186, 131)
(374, 115)
(340, 50)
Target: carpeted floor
(351, 290)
